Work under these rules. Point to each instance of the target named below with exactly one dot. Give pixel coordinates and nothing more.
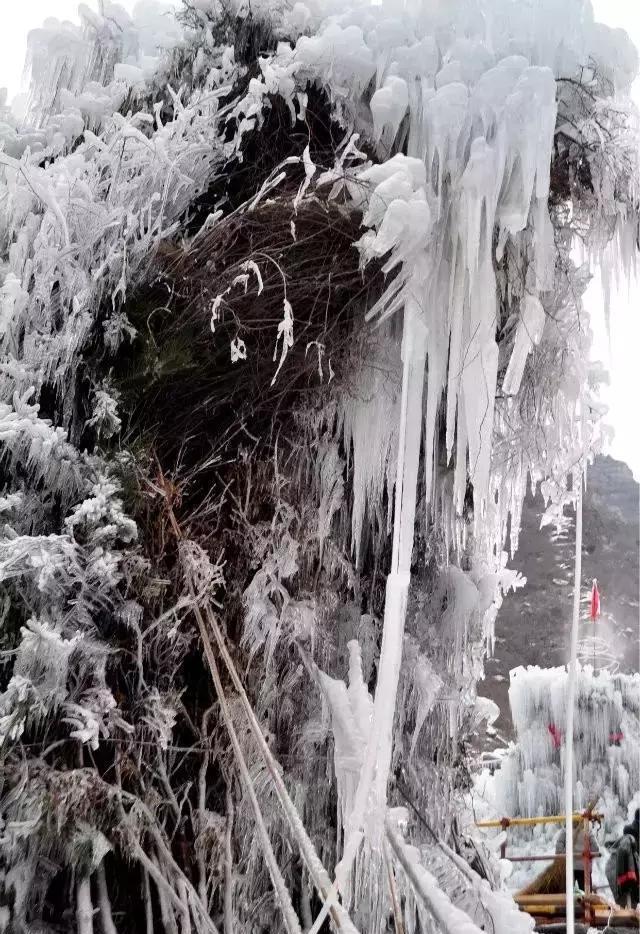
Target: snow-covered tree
(291, 315)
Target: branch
(316, 870)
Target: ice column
(369, 809)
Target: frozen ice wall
(606, 742)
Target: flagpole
(595, 609)
(571, 696)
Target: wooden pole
(503, 846)
(586, 863)
(549, 857)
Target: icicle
(389, 105)
(375, 770)
(528, 334)
(369, 422)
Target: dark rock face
(533, 625)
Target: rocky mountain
(533, 625)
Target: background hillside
(533, 624)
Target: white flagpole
(595, 623)
(571, 696)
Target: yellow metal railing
(586, 818)
(505, 822)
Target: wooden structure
(550, 907)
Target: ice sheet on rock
(491, 180)
(491, 90)
(445, 116)
(528, 142)
(416, 60)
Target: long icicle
(378, 754)
(377, 759)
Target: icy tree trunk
(289, 917)
(104, 903)
(84, 906)
(317, 872)
(378, 755)
(571, 698)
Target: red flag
(556, 735)
(595, 601)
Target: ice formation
(468, 145)
(605, 742)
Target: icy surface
(606, 738)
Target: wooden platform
(551, 910)
(621, 918)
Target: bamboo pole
(449, 918)
(289, 916)
(395, 901)
(545, 898)
(104, 904)
(317, 872)
(586, 865)
(558, 898)
(549, 858)
(530, 821)
(84, 906)
(228, 868)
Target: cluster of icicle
(476, 116)
(606, 741)
(469, 92)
